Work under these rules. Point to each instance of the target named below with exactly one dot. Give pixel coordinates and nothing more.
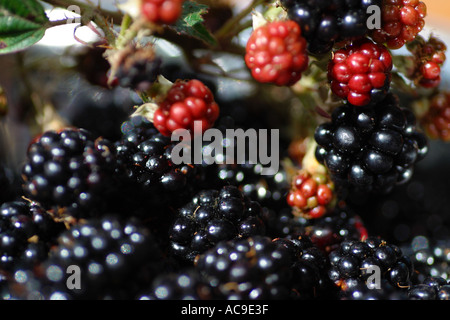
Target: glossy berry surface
(69, 171)
(370, 148)
(213, 216)
(360, 72)
(325, 23)
(355, 261)
(188, 105)
(276, 53)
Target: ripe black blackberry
(144, 156)
(371, 148)
(213, 216)
(354, 262)
(71, 172)
(116, 258)
(325, 22)
(260, 268)
(27, 232)
(183, 285)
(431, 288)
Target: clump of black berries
(99, 258)
(27, 232)
(325, 22)
(371, 148)
(213, 216)
(144, 156)
(431, 288)
(261, 268)
(70, 172)
(368, 262)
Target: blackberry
(432, 288)
(70, 172)
(351, 264)
(183, 285)
(325, 23)
(371, 148)
(144, 155)
(27, 232)
(116, 258)
(260, 268)
(213, 216)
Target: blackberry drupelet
(213, 216)
(352, 264)
(372, 148)
(116, 258)
(325, 23)
(261, 268)
(27, 232)
(71, 172)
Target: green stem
(229, 28)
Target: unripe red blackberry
(186, 103)
(401, 21)
(361, 72)
(276, 53)
(427, 59)
(311, 195)
(436, 121)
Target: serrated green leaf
(22, 24)
(191, 22)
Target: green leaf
(22, 24)
(191, 22)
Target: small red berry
(359, 68)
(311, 195)
(276, 53)
(401, 21)
(186, 102)
(436, 120)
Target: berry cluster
(401, 21)
(213, 216)
(354, 262)
(311, 195)
(188, 105)
(70, 172)
(276, 53)
(370, 148)
(361, 72)
(428, 57)
(325, 23)
(162, 11)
